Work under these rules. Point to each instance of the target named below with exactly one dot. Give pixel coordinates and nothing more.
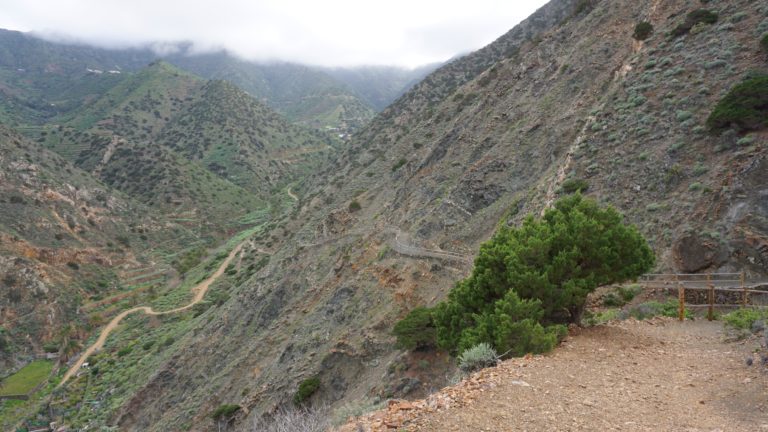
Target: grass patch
(26, 379)
(653, 308)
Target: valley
(210, 234)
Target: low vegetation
(225, 411)
(764, 43)
(293, 419)
(744, 108)
(643, 30)
(307, 388)
(699, 16)
(744, 319)
(574, 185)
(478, 357)
(26, 379)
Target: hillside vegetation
(568, 100)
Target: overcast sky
(322, 32)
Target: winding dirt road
(199, 291)
(291, 194)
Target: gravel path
(658, 375)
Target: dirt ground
(657, 375)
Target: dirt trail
(199, 291)
(291, 194)
(658, 375)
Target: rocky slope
(65, 240)
(566, 95)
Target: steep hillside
(567, 95)
(197, 149)
(303, 94)
(241, 139)
(66, 240)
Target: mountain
(303, 94)
(380, 85)
(41, 73)
(184, 144)
(566, 95)
(66, 241)
(566, 100)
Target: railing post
(711, 299)
(744, 299)
(681, 298)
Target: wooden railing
(734, 285)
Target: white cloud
(329, 32)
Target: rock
(693, 253)
(758, 326)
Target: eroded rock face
(693, 253)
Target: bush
(643, 30)
(148, 345)
(224, 411)
(699, 16)
(745, 107)
(354, 206)
(629, 292)
(478, 357)
(399, 164)
(574, 185)
(744, 318)
(528, 278)
(307, 388)
(764, 43)
(612, 300)
(416, 330)
(511, 325)
(124, 352)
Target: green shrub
(551, 264)
(307, 388)
(612, 300)
(593, 319)
(124, 351)
(764, 43)
(512, 326)
(574, 185)
(744, 108)
(354, 206)
(653, 308)
(744, 318)
(699, 16)
(189, 260)
(629, 292)
(643, 30)
(225, 411)
(148, 345)
(478, 357)
(399, 164)
(416, 330)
